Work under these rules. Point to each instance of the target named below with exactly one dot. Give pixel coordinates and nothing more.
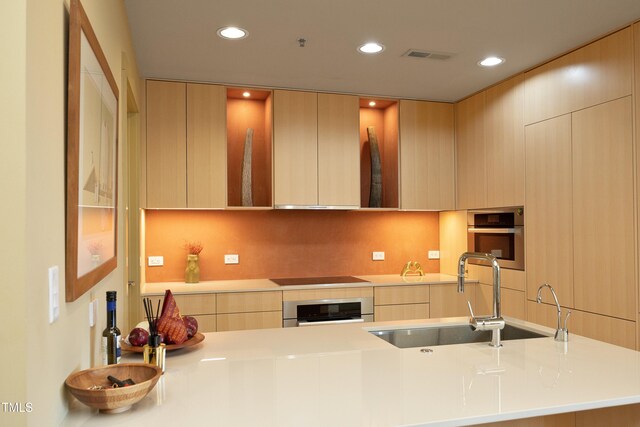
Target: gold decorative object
(192, 272)
(412, 268)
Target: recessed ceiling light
(372, 103)
(246, 94)
(371, 48)
(232, 33)
(491, 61)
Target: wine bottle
(111, 334)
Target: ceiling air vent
(423, 54)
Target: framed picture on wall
(92, 160)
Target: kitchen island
(342, 375)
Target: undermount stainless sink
(449, 334)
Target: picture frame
(91, 160)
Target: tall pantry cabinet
(579, 188)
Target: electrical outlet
(433, 255)
(231, 259)
(156, 261)
(377, 256)
(54, 293)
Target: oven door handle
(330, 322)
(494, 230)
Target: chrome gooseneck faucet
(487, 323)
(562, 334)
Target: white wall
(32, 184)
(13, 315)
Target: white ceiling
(177, 40)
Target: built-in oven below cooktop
(333, 280)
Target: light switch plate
(93, 312)
(156, 261)
(377, 256)
(433, 255)
(231, 259)
(54, 293)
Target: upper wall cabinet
(186, 145)
(206, 146)
(471, 178)
(504, 143)
(338, 150)
(490, 147)
(166, 145)
(596, 73)
(316, 153)
(295, 146)
(427, 165)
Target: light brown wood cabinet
(603, 328)
(580, 208)
(445, 301)
(186, 145)
(401, 302)
(603, 215)
(599, 72)
(512, 303)
(504, 143)
(295, 148)
(490, 147)
(206, 146)
(166, 145)
(200, 306)
(471, 177)
(549, 232)
(427, 151)
(249, 310)
(316, 149)
(338, 150)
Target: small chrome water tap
(562, 334)
(487, 323)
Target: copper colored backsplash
(279, 243)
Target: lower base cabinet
(401, 302)
(249, 310)
(447, 302)
(383, 313)
(206, 322)
(242, 321)
(627, 415)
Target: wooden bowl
(108, 399)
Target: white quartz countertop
(250, 285)
(341, 375)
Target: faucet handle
(470, 310)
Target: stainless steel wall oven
(499, 232)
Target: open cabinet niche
(383, 117)
(249, 112)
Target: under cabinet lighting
(371, 48)
(372, 103)
(491, 61)
(232, 33)
(246, 94)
